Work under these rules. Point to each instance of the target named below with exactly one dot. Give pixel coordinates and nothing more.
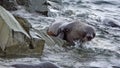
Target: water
(102, 52)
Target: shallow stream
(102, 52)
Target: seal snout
(89, 38)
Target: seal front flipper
(63, 30)
(61, 35)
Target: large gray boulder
(15, 37)
(40, 6)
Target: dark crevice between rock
(43, 13)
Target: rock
(41, 65)
(22, 2)
(38, 6)
(104, 2)
(9, 4)
(1, 2)
(15, 38)
(23, 22)
(115, 66)
(111, 22)
(57, 1)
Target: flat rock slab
(22, 50)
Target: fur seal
(41, 65)
(72, 31)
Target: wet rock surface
(41, 65)
(15, 37)
(23, 2)
(111, 23)
(9, 4)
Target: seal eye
(67, 30)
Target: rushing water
(102, 52)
